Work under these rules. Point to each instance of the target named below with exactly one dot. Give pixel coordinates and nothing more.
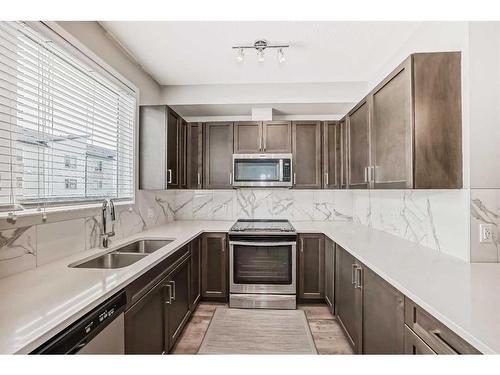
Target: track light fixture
(260, 46)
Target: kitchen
(156, 202)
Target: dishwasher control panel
(75, 337)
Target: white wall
(94, 37)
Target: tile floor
(328, 335)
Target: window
(64, 121)
(70, 161)
(70, 183)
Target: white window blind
(66, 130)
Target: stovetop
(262, 226)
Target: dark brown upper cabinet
(262, 137)
(332, 155)
(247, 137)
(194, 155)
(344, 155)
(358, 127)
(306, 154)
(218, 149)
(174, 149)
(407, 133)
(311, 266)
(214, 263)
(277, 137)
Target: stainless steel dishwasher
(101, 331)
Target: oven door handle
(247, 243)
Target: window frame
(70, 44)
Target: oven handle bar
(256, 243)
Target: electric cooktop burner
(256, 226)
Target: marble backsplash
(433, 218)
(485, 209)
(27, 247)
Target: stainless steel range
(262, 264)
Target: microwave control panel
(287, 170)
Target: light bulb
(281, 56)
(240, 55)
(260, 55)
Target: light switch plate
(485, 233)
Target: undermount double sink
(123, 256)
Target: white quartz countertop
(37, 304)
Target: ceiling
(199, 53)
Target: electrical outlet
(485, 233)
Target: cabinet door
(331, 155)
(306, 150)
(348, 301)
(145, 323)
(173, 148)
(247, 137)
(329, 273)
(277, 137)
(194, 155)
(195, 273)
(311, 266)
(383, 316)
(218, 159)
(214, 266)
(391, 130)
(178, 302)
(359, 146)
(152, 147)
(344, 154)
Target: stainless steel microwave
(262, 170)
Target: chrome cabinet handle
(265, 143)
(230, 178)
(359, 275)
(353, 274)
(169, 299)
(326, 179)
(295, 178)
(199, 180)
(173, 288)
(260, 143)
(366, 174)
(169, 174)
(372, 174)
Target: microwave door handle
(267, 244)
(280, 170)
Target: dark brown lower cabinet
(329, 273)
(145, 323)
(155, 321)
(311, 266)
(349, 297)
(214, 263)
(414, 344)
(383, 316)
(195, 273)
(177, 303)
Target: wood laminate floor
(328, 335)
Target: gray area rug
(239, 331)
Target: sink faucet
(108, 218)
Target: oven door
(262, 267)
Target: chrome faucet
(108, 218)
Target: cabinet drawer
(414, 344)
(435, 334)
